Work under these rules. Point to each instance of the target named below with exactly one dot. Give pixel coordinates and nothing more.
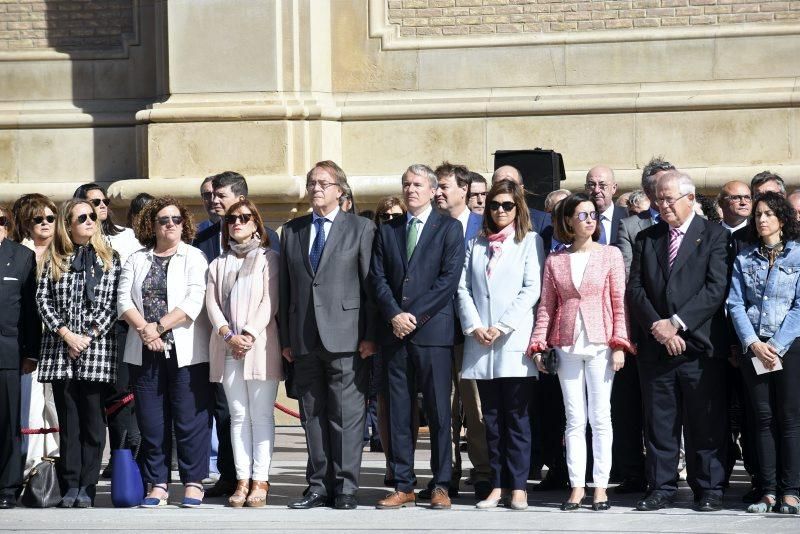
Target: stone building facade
(153, 95)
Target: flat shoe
(600, 506)
(518, 505)
(488, 503)
(571, 506)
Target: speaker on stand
(542, 171)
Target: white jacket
(505, 300)
(186, 289)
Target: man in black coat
(677, 287)
(20, 336)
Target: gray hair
(636, 197)
(548, 200)
(654, 166)
(424, 171)
(684, 181)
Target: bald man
(539, 219)
(601, 186)
(736, 203)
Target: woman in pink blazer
(244, 352)
(582, 316)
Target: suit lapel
(305, 237)
(428, 231)
(5, 258)
(689, 244)
(661, 249)
(400, 238)
(339, 226)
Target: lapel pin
(698, 241)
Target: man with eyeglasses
(601, 187)
(451, 197)
(677, 287)
(20, 335)
(476, 193)
(328, 321)
(206, 195)
(736, 203)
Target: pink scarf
(496, 246)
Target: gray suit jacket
(334, 303)
(629, 228)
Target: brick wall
(465, 17)
(64, 24)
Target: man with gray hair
(677, 287)
(416, 266)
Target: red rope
(29, 431)
(287, 411)
(111, 410)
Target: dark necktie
(603, 240)
(319, 244)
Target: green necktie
(411, 238)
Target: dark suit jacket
(474, 225)
(695, 288)
(207, 240)
(629, 228)
(423, 285)
(539, 220)
(333, 303)
(20, 326)
(619, 214)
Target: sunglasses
(206, 195)
(507, 206)
(3, 220)
(583, 215)
(40, 219)
(97, 201)
(83, 216)
(165, 220)
(386, 217)
(233, 219)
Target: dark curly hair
(144, 228)
(708, 205)
(782, 209)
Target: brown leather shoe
(258, 494)
(439, 499)
(239, 496)
(397, 499)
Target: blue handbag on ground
(127, 488)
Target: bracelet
(227, 336)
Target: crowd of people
(630, 343)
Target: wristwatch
(675, 323)
(160, 328)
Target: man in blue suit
(416, 266)
(451, 198)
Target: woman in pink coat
(244, 353)
(582, 316)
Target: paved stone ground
(288, 482)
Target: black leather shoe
(7, 502)
(654, 501)
(311, 500)
(482, 490)
(567, 506)
(600, 506)
(222, 488)
(346, 502)
(631, 485)
(425, 494)
(709, 503)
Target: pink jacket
(263, 361)
(601, 300)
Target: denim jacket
(765, 302)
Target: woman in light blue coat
(499, 288)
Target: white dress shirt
(422, 217)
(463, 218)
(732, 229)
(326, 225)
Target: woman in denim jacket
(764, 305)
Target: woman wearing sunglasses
(76, 296)
(582, 316)
(499, 288)
(37, 222)
(161, 296)
(245, 355)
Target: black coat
(20, 327)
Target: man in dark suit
(20, 335)
(626, 394)
(451, 198)
(327, 320)
(601, 186)
(416, 265)
(227, 188)
(677, 287)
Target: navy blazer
(208, 241)
(539, 220)
(474, 225)
(423, 285)
(20, 326)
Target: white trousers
(586, 386)
(38, 410)
(251, 404)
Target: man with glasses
(206, 195)
(677, 287)
(736, 203)
(476, 193)
(328, 322)
(601, 187)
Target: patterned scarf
(233, 275)
(771, 252)
(85, 261)
(496, 246)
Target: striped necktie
(675, 238)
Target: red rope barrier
(29, 431)
(287, 411)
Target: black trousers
(123, 430)
(165, 395)
(688, 395)
(80, 405)
(548, 425)
(408, 366)
(11, 463)
(332, 390)
(222, 418)
(776, 403)
(627, 421)
(504, 403)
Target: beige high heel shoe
(259, 491)
(239, 496)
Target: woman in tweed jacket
(76, 297)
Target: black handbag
(550, 361)
(41, 487)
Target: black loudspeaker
(542, 171)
